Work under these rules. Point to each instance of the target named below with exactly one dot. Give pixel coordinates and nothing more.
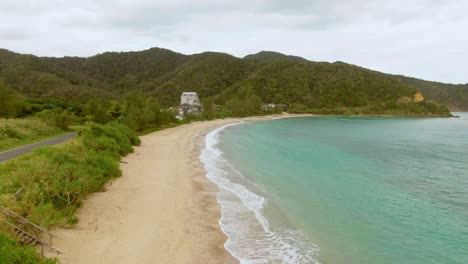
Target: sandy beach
(162, 209)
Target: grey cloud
(15, 36)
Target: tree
(8, 101)
(140, 112)
(97, 110)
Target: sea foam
(251, 238)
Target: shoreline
(244, 219)
(163, 209)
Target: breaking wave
(251, 237)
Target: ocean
(343, 190)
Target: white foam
(251, 239)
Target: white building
(190, 104)
(274, 107)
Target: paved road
(13, 153)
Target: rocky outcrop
(418, 98)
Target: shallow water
(343, 189)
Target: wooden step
(26, 238)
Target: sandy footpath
(161, 210)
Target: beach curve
(162, 209)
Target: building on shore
(189, 104)
(274, 107)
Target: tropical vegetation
(111, 97)
(99, 86)
(48, 185)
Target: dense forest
(100, 86)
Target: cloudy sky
(421, 38)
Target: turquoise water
(344, 190)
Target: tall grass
(12, 252)
(15, 131)
(54, 180)
(49, 185)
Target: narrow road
(13, 153)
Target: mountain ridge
(270, 76)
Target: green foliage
(54, 180)
(8, 101)
(455, 97)
(12, 252)
(323, 85)
(390, 108)
(245, 102)
(116, 137)
(57, 118)
(409, 109)
(208, 74)
(163, 75)
(141, 112)
(33, 106)
(15, 131)
(97, 110)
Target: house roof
(189, 98)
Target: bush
(113, 135)
(393, 108)
(13, 131)
(32, 106)
(12, 252)
(57, 117)
(8, 101)
(141, 112)
(55, 180)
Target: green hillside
(226, 81)
(451, 95)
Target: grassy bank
(12, 252)
(48, 186)
(18, 132)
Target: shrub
(55, 180)
(57, 117)
(8, 101)
(13, 131)
(113, 135)
(12, 251)
(141, 112)
(393, 107)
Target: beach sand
(162, 209)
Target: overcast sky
(421, 38)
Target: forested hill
(453, 96)
(219, 78)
